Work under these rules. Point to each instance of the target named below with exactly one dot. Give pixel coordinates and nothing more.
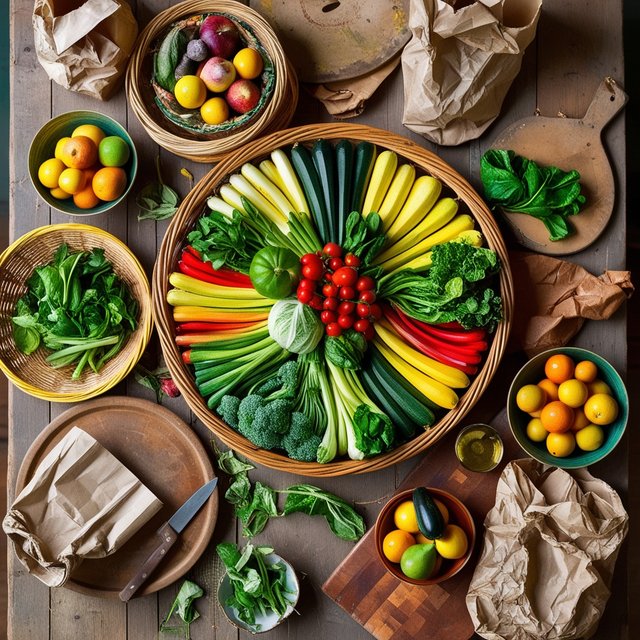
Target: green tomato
(275, 272)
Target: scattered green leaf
(183, 608)
(157, 201)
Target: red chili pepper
(193, 252)
(225, 277)
(199, 275)
(461, 336)
(199, 327)
(430, 350)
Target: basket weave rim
(143, 331)
(193, 206)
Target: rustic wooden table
(577, 45)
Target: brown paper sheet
(550, 546)
(347, 98)
(81, 503)
(460, 63)
(84, 47)
(554, 297)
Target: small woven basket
(194, 205)
(274, 115)
(32, 373)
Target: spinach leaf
(167, 58)
(184, 608)
(364, 237)
(515, 184)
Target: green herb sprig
(157, 201)
(183, 608)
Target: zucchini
(310, 181)
(365, 156)
(344, 170)
(324, 162)
(419, 412)
(402, 421)
(430, 520)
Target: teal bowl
(532, 373)
(44, 144)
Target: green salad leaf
(183, 608)
(516, 184)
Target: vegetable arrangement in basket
(332, 303)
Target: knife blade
(168, 534)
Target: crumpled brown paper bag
(459, 65)
(84, 46)
(347, 98)
(554, 297)
(550, 547)
(81, 503)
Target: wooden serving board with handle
(569, 143)
(389, 608)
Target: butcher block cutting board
(389, 608)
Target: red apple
(242, 96)
(220, 35)
(218, 74)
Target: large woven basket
(31, 373)
(275, 115)
(194, 205)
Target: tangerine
(550, 387)
(559, 368)
(586, 371)
(561, 445)
(215, 111)
(248, 63)
(395, 543)
(405, 517)
(109, 183)
(190, 92)
(86, 198)
(580, 421)
(557, 417)
(601, 408)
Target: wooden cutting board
(389, 608)
(569, 143)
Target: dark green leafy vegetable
(255, 506)
(259, 586)
(184, 608)
(78, 307)
(347, 350)
(165, 61)
(157, 201)
(516, 184)
(455, 288)
(364, 238)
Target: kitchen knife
(168, 533)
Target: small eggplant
(185, 67)
(197, 50)
(430, 520)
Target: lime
(113, 152)
(418, 561)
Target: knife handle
(169, 537)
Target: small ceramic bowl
(270, 620)
(458, 514)
(531, 373)
(44, 144)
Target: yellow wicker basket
(275, 115)
(32, 373)
(194, 205)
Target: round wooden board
(165, 454)
(568, 143)
(332, 40)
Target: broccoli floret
(228, 410)
(283, 385)
(264, 422)
(247, 411)
(301, 443)
(274, 415)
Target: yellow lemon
(91, 131)
(59, 145)
(535, 430)
(72, 180)
(49, 172)
(573, 393)
(248, 63)
(453, 543)
(215, 111)
(601, 408)
(60, 194)
(590, 438)
(190, 92)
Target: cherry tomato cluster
(331, 284)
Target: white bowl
(263, 622)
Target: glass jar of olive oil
(479, 447)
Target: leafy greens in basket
(519, 185)
(78, 308)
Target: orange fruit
(49, 172)
(395, 543)
(557, 417)
(109, 183)
(72, 180)
(420, 539)
(531, 398)
(580, 421)
(215, 111)
(80, 152)
(86, 198)
(248, 63)
(586, 371)
(561, 445)
(599, 386)
(90, 131)
(573, 393)
(559, 368)
(601, 408)
(405, 517)
(550, 387)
